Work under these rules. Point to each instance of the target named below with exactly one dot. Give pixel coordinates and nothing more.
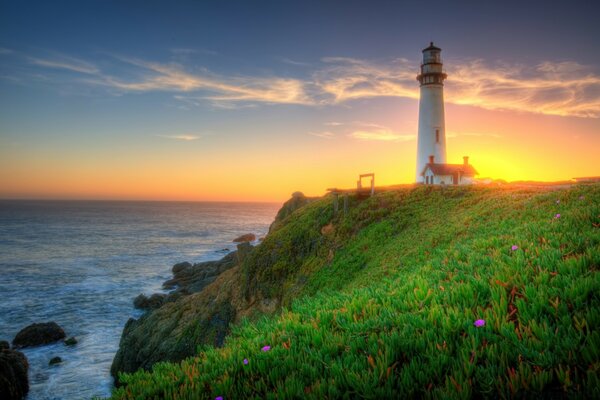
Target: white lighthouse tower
(432, 130)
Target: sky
(254, 100)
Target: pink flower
(557, 201)
(479, 323)
(245, 361)
(514, 247)
(581, 197)
(557, 216)
(266, 348)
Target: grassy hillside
(383, 302)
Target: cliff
(419, 292)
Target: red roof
(451, 169)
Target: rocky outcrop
(208, 297)
(188, 278)
(248, 237)
(72, 341)
(39, 334)
(55, 360)
(198, 311)
(14, 383)
(149, 303)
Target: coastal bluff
(206, 298)
(416, 292)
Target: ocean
(81, 263)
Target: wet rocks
(144, 302)
(188, 278)
(39, 334)
(248, 237)
(72, 341)
(55, 360)
(14, 383)
(189, 316)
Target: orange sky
(501, 144)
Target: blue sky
(97, 83)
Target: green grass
(383, 304)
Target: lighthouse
(431, 142)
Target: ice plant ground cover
(386, 303)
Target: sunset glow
(255, 111)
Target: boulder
(55, 360)
(149, 303)
(248, 237)
(180, 266)
(4, 345)
(38, 334)
(188, 278)
(72, 341)
(14, 383)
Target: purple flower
(266, 348)
(219, 398)
(514, 247)
(479, 323)
(245, 361)
(557, 216)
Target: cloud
(293, 62)
(185, 137)
(324, 135)
(334, 123)
(552, 88)
(381, 135)
(173, 77)
(564, 88)
(4, 50)
(68, 63)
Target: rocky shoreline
(206, 298)
(158, 335)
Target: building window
(437, 135)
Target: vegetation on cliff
(421, 292)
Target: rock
(14, 383)
(180, 266)
(4, 345)
(190, 278)
(190, 316)
(248, 237)
(72, 341)
(55, 360)
(172, 332)
(39, 334)
(149, 303)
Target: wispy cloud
(185, 137)
(324, 134)
(4, 50)
(334, 123)
(173, 77)
(551, 88)
(68, 63)
(286, 60)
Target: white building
(431, 142)
(448, 174)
